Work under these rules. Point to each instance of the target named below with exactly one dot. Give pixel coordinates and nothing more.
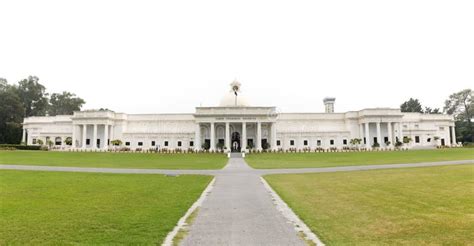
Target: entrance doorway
(235, 143)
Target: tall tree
(33, 96)
(64, 103)
(429, 110)
(460, 105)
(11, 114)
(412, 105)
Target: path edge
(288, 213)
(182, 221)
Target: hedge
(20, 146)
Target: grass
(59, 208)
(412, 206)
(114, 160)
(333, 159)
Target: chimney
(329, 104)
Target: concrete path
(240, 211)
(229, 170)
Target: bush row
(19, 146)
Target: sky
(171, 56)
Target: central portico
(234, 127)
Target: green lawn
(302, 160)
(59, 208)
(116, 160)
(412, 206)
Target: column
(106, 137)
(112, 132)
(84, 136)
(361, 131)
(367, 136)
(244, 136)
(73, 145)
(213, 137)
(197, 137)
(400, 132)
(259, 136)
(390, 136)
(23, 136)
(379, 135)
(227, 136)
(94, 140)
(453, 135)
(274, 136)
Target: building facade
(237, 126)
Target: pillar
(259, 136)
(94, 140)
(400, 132)
(390, 136)
(227, 136)
(244, 136)
(23, 136)
(453, 135)
(361, 131)
(379, 135)
(84, 136)
(367, 136)
(274, 136)
(73, 145)
(213, 137)
(112, 132)
(197, 137)
(106, 137)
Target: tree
(412, 105)
(33, 96)
(429, 110)
(11, 114)
(461, 106)
(64, 103)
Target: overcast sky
(171, 56)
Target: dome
(234, 97)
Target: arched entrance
(235, 142)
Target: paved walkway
(239, 210)
(230, 170)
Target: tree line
(459, 104)
(29, 98)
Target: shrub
(19, 146)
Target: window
(376, 140)
(278, 143)
(34, 140)
(318, 142)
(331, 142)
(305, 142)
(417, 139)
(385, 139)
(140, 143)
(179, 143)
(365, 141)
(344, 141)
(166, 143)
(152, 143)
(127, 143)
(292, 142)
(428, 140)
(191, 143)
(88, 141)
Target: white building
(236, 125)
